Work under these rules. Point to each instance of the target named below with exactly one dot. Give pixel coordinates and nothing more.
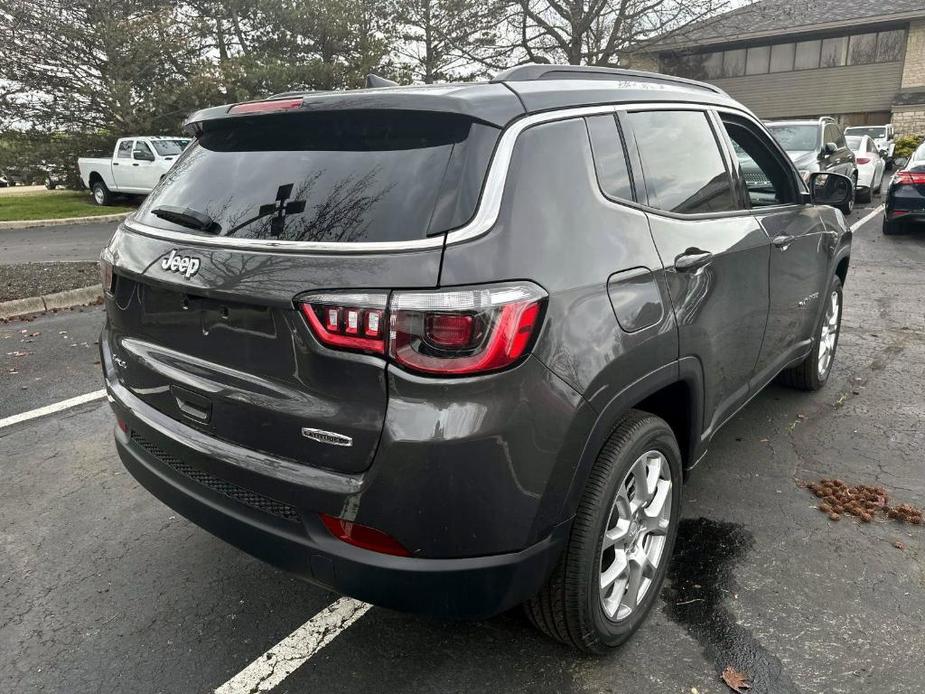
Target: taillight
(454, 332)
(363, 536)
(269, 106)
(910, 177)
(464, 331)
(349, 320)
(863, 160)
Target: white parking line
(271, 668)
(863, 220)
(51, 409)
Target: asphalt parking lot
(106, 590)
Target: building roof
(768, 18)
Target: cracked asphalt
(103, 589)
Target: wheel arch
(94, 177)
(673, 392)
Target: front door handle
(691, 259)
(134, 164)
(783, 241)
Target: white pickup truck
(136, 166)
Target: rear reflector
(363, 536)
(910, 177)
(270, 106)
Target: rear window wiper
(186, 217)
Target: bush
(906, 145)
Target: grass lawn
(54, 205)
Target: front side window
(143, 149)
(768, 180)
(125, 149)
(681, 162)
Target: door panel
(799, 259)
(122, 165)
(721, 306)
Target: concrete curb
(41, 304)
(31, 223)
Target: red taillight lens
(863, 160)
(363, 536)
(347, 321)
(911, 177)
(464, 331)
(456, 332)
(269, 106)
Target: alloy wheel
(828, 335)
(634, 539)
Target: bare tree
(596, 32)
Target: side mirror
(829, 148)
(830, 189)
(143, 156)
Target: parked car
(4, 181)
(136, 166)
(817, 145)
(15, 177)
(453, 348)
(870, 166)
(905, 198)
(53, 175)
(883, 135)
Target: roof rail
(532, 71)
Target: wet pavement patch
(700, 583)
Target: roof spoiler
(374, 81)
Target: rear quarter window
(347, 176)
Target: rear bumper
(192, 473)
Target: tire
(889, 228)
(571, 606)
(863, 196)
(848, 207)
(100, 193)
(810, 373)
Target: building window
(834, 52)
(807, 55)
(734, 63)
(782, 57)
(713, 65)
(890, 46)
(862, 49)
(757, 59)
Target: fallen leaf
(735, 680)
(899, 545)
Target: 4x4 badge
(186, 265)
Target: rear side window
(613, 174)
(347, 176)
(681, 162)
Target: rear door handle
(691, 259)
(783, 241)
(134, 164)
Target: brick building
(862, 62)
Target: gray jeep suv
(450, 349)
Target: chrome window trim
(487, 210)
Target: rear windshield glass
(796, 138)
(354, 176)
(873, 132)
(853, 142)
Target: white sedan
(870, 166)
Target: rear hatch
(203, 317)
